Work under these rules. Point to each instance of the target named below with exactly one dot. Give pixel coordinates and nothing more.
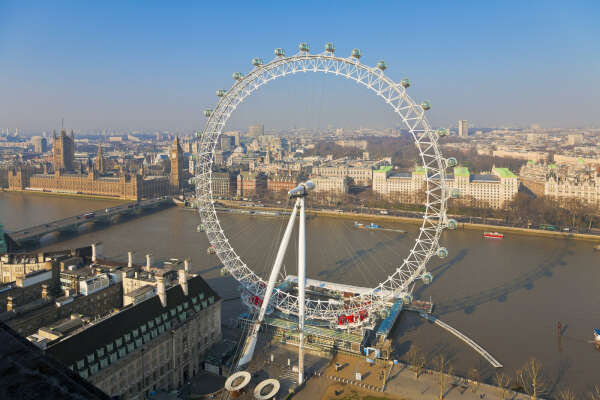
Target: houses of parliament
(93, 180)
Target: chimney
(182, 274)
(148, 261)
(9, 303)
(93, 252)
(161, 290)
(130, 259)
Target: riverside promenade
(401, 384)
(413, 220)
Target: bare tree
(566, 394)
(531, 377)
(502, 381)
(416, 360)
(444, 369)
(474, 377)
(596, 393)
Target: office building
(463, 128)
(256, 130)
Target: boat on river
(372, 225)
(493, 235)
(597, 247)
(597, 335)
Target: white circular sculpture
(432, 165)
(275, 385)
(237, 381)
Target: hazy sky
(157, 65)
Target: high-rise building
(235, 135)
(176, 177)
(463, 128)
(40, 145)
(227, 142)
(63, 150)
(256, 130)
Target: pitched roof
(461, 171)
(505, 173)
(26, 373)
(78, 346)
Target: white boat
(597, 335)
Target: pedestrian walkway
(464, 338)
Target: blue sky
(156, 65)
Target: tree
(596, 393)
(416, 360)
(531, 377)
(503, 382)
(566, 394)
(474, 377)
(444, 369)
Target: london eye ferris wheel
(412, 114)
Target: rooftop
(505, 173)
(119, 326)
(419, 170)
(484, 178)
(461, 171)
(384, 168)
(26, 373)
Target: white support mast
(301, 289)
(250, 343)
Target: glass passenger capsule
(451, 162)
(454, 193)
(405, 83)
(407, 298)
(279, 52)
(427, 278)
(329, 47)
(356, 53)
(442, 252)
(221, 92)
(237, 76)
(452, 224)
(257, 62)
(304, 47)
(208, 113)
(381, 65)
(426, 105)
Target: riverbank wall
(70, 195)
(419, 221)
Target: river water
(508, 295)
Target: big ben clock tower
(176, 156)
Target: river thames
(508, 295)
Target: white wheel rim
(413, 118)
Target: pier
(464, 338)
(31, 237)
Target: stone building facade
(279, 183)
(223, 184)
(479, 190)
(250, 184)
(130, 186)
(159, 343)
(63, 151)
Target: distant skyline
(154, 66)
